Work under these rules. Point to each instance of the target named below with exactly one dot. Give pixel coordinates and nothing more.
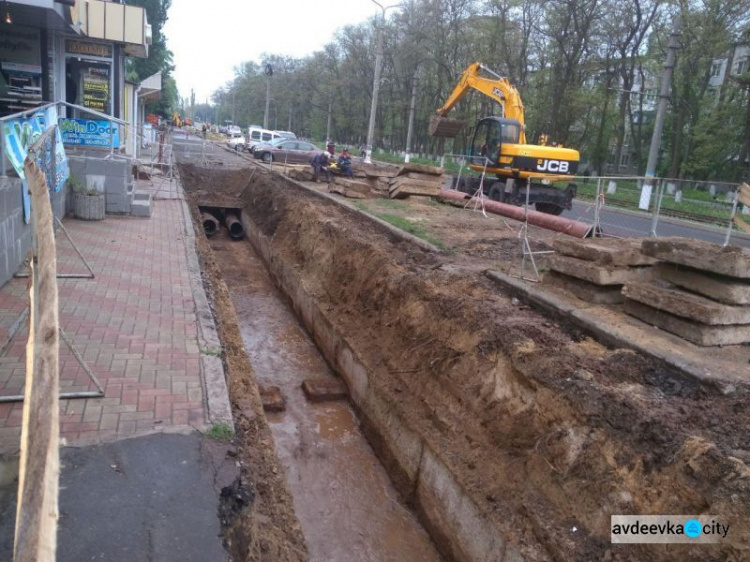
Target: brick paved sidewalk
(135, 325)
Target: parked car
(257, 135)
(236, 141)
(286, 134)
(286, 150)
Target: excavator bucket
(445, 127)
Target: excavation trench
(343, 497)
(511, 436)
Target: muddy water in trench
(345, 502)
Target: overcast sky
(210, 38)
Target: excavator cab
(489, 136)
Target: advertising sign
(88, 132)
(18, 135)
(95, 87)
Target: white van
(256, 135)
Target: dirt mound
(548, 432)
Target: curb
(607, 334)
(212, 367)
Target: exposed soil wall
(257, 513)
(485, 410)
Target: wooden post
(37, 511)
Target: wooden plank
(37, 511)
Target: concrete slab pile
(596, 269)
(416, 179)
(702, 292)
(352, 188)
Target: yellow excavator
(498, 147)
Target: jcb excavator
(499, 143)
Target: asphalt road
(627, 224)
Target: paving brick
(134, 324)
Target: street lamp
(376, 82)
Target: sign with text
(19, 134)
(90, 49)
(88, 132)
(95, 87)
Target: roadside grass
(411, 227)
(220, 432)
(402, 223)
(390, 204)
(694, 202)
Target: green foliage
(220, 432)
(160, 58)
(409, 226)
(572, 62)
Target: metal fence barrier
(619, 206)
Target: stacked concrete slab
(701, 291)
(596, 269)
(416, 179)
(350, 187)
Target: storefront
(90, 75)
(21, 70)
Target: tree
(159, 57)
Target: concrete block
(272, 399)
(587, 292)
(596, 273)
(667, 297)
(700, 334)
(732, 261)
(117, 168)
(604, 251)
(96, 167)
(728, 290)
(139, 208)
(96, 181)
(447, 507)
(324, 390)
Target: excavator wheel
(549, 208)
(496, 191)
(463, 186)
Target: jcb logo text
(553, 166)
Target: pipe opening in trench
(213, 218)
(332, 469)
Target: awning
(118, 23)
(150, 88)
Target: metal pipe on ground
(236, 231)
(210, 224)
(543, 220)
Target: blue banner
(19, 134)
(88, 132)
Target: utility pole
(328, 123)
(268, 71)
(666, 82)
(412, 108)
(376, 81)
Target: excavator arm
(496, 88)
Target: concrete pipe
(235, 226)
(543, 220)
(210, 224)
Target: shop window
(20, 69)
